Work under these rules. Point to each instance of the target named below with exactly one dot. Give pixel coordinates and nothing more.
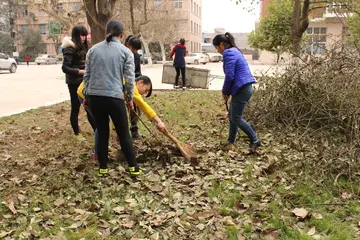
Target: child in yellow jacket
(142, 86)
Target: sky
(226, 14)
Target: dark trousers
(182, 70)
(75, 107)
(27, 63)
(102, 108)
(134, 120)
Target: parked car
(214, 57)
(197, 58)
(7, 63)
(46, 59)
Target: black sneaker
(254, 145)
(136, 136)
(137, 170)
(103, 172)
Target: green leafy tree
(353, 23)
(274, 31)
(6, 43)
(32, 42)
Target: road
(35, 86)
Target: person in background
(179, 62)
(74, 52)
(238, 84)
(27, 60)
(134, 44)
(107, 64)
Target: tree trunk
(299, 24)
(132, 17)
(163, 54)
(147, 51)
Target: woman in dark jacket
(74, 52)
(179, 62)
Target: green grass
(195, 116)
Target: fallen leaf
(80, 211)
(300, 212)
(228, 221)
(59, 202)
(7, 216)
(75, 225)
(21, 197)
(200, 226)
(37, 209)
(155, 236)
(312, 231)
(11, 206)
(5, 234)
(153, 178)
(204, 215)
(317, 215)
(119, 209)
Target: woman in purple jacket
(238, 83)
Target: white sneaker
(184, 88)
(176, 87)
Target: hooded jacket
(237, 71)
(74, 60)
(180, 52)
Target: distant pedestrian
(179, 62)
(27, 59)
(238, 84)
(74, 52)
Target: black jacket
(74, 60)
(137, 61)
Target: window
(316, 40)
(179, 27)
(192, 28)
(192, 47)
(42, 29)
(24, 28)
(192, 9)
(200, 11)
(76, 7)
(2, 56)
(199, 29)
(25, 12)
(178, 4)
(157, 3)
(207, 40)
(59, 6)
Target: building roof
(241, 39)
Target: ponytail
(114, 28)
(231, 40)
(227, 39)
(109, 36)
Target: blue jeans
(237, 107)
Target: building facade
(188, 24)
(30, 17)
(326, 28)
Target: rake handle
(147, 128)
(172, 138)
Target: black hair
(146, 81)
(114, 28)
(227, 39)
(135, 43)
(182, 41)
(77, 31)
(127, 40)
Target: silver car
(46, 59)
(7, 63)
